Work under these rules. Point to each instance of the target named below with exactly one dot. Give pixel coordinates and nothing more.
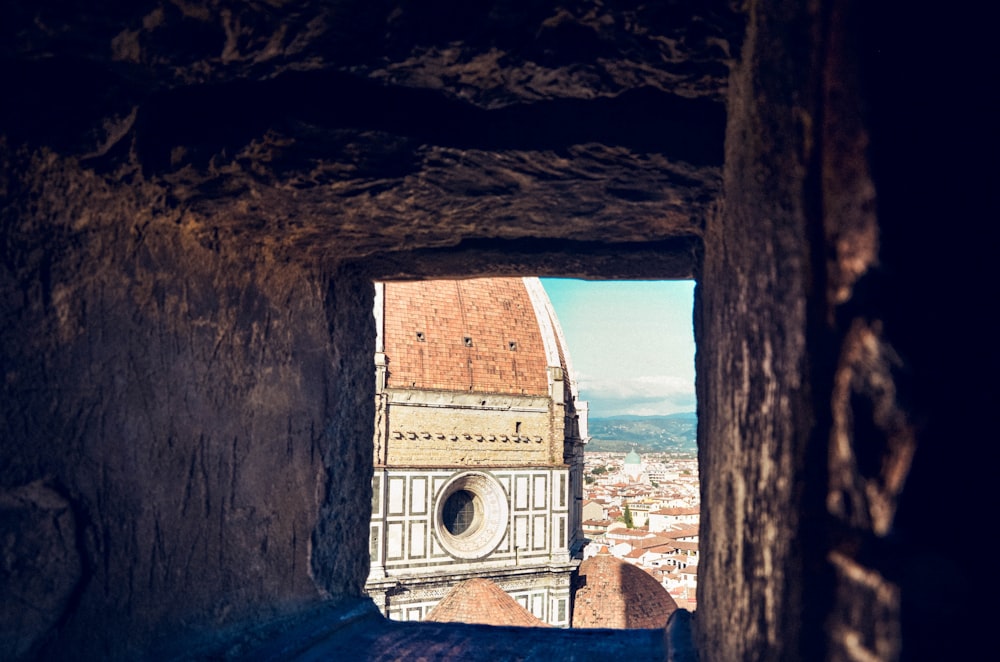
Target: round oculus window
(472, 515)
(462, 513)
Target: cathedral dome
(479, 600)
(484, 335)
(633, 458)
(614, 594)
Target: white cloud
(652, 386)
(642, 396)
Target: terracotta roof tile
(661, 549)
(479, 335)
(481, 601)
(655, 541)
(680, 532)
(614, 594)
(678, 511)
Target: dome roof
(479, 600)
(633, 458)
(614, 594)
(483, 335)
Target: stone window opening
(460, 519)
(793, 200)
(462, 513)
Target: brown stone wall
(832, 386)
(165, 415)
(185, 398)
(754, 382)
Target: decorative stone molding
(467, 436)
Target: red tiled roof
(682, 532)
(492, 313)
(661, 549)
(614, 594)
(655, 541)
(678, 511)
(630, 533)
(479, 600)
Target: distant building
(640, 511)
(664, 518)
(660, 474)
(594, 510)
(633, 466)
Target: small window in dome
(512, 345)
(420, 336)
(468, 341)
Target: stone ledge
(357, 632)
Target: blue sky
(631, 343)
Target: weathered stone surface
(183, 401)
(279, 126)
(490, 54)
(751, 306)
(40, 566)
(179, 183)
(836, 390)
(194, 197)
(358, 632)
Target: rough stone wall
(167, 444)
(754, 399)
(826, 434)
(175, 178)
(177, 183)
(915, 348)
(327, 130)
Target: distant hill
(673, 433)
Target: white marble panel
(521, 532)
(538, 535)
(397, 498)
(538, 605)
(521, 493)
(540, 492)
(418, 537)
(394, 540)
(418, 496)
